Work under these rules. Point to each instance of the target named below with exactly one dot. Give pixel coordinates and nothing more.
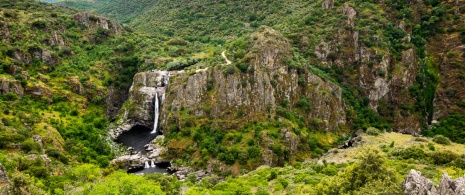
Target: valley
(232, 97)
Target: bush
(444, 157)
(39, 24)
(30, 145)
(230, 70)
(412, 152)
(440, 139)
(372, 131)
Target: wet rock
(129, 162)
(156, 151)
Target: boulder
(416, 184)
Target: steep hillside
(232, 86)
(63, 77)
(390, 55)
(121, 10)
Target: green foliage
(440, 139)
(443, 157)
(361, 176)
(452, 127)
(123, 183)
(372, 131)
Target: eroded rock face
(7, 85)
(76, 85)
(416, 184)
(93, 21)
(40, 91)
(258, 94)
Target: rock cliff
(267, 88)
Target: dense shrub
(443, 157)
(440, 139)
(413, 152)
(373, 131)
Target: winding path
(224, 56)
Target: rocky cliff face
(140, 106)
(416, 184)
(267, 91)
(267, 88)
(373, 71)
(92, 21)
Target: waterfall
(163, 80)
(153, 164)
(147, 165)
(156, 113)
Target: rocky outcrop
(92, 21)
(76, 85)
(351, 13)
(328, 4)
(131, 161)
(39, 91)
(416, 184)
(9, 85)
(452, 186)
(156, 151)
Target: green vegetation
(452, 127)
(59, 76)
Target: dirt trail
(224, 56)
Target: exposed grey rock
(450, 186)
(92, 21)
(5, 183)
(328, 4)
(139, 109)
(350, 12)
(40, 91)
(416, 184)
(10, 85)
(130, 161)
(76, 85)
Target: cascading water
(147, 165)
(163, 78)
(153, 165)
(157, 113)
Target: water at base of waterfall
(159, 168)
(137, 138)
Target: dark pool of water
(137, 137)
(160, 168)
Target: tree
(123, 183)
